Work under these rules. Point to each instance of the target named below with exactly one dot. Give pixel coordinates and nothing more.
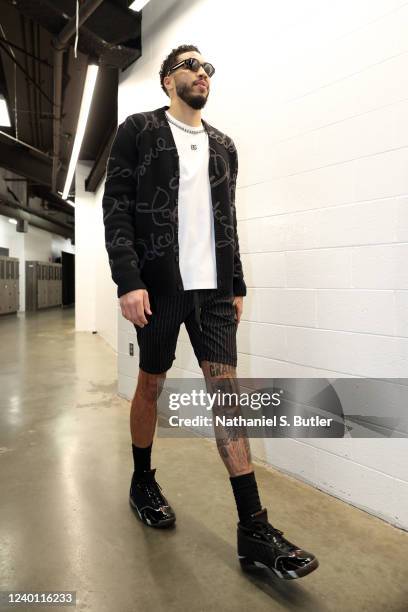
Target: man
(171, 237)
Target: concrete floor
(65, 523)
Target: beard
(195, 100)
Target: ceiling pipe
(24, 144)
(36, 219)
(60, 43)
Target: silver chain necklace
(183, 128)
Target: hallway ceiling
(110, 36)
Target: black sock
(141, 459)
(246, 495)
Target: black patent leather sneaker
(262, 545)
(149, 503)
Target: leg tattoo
(232, 440)
(143, 412)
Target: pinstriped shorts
(209, 317)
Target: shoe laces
(272, 534)
(153, 490)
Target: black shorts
(209, 317)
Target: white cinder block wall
(315, 96)
(95, 293)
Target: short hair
(171, 60)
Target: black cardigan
(140, 207)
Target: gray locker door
(48, 285)
(52, 286)
(41, 299)
(45, 286)
(13, 288)
(2, 286)
(17, 294)
(60, 285)
(7, 302)
(31, 285)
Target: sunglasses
(193, 64)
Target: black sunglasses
(193, 64)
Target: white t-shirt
(195, 214)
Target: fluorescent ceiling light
(137, 5)
(90, 81)
(4, 116)
(14, 221)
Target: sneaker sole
(248, 565)
(162, 525)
